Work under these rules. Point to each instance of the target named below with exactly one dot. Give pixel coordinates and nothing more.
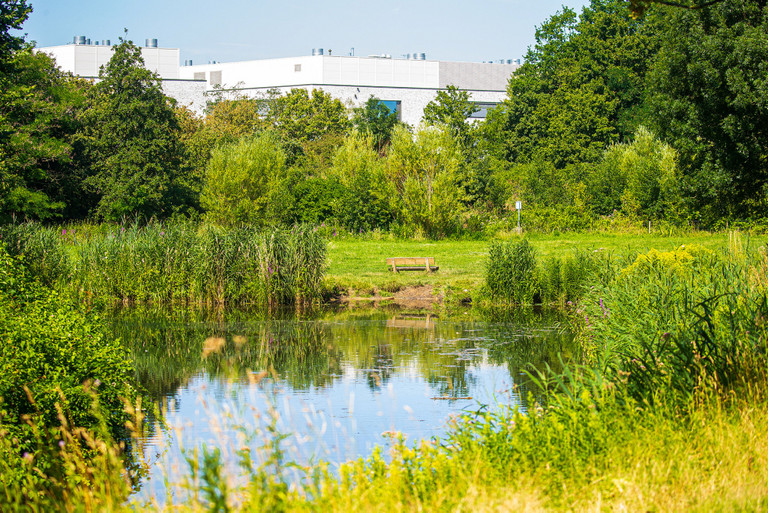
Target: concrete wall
(355, 79)
(326, 70)
(414, 83)
(188, 93)
(476, 75)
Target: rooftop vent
(317, 51)
(151, 43)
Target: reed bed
(175, 262)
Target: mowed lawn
(361, 264)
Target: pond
(333, 384)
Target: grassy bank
(360, 264)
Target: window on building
(297, 67)
(394, 106)
(215, 78)
(483, 108)
(199, 75)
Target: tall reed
(177, 262)
(514, 274)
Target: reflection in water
(336, 382)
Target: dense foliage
(59, 372)
(130, 140)
(613, 117)
(708, 100)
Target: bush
(512, 274)
(563, 280)
(58, 372)
(240, 178)
(673, 323)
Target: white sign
(518, 205)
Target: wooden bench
(412, 264)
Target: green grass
(361, 264)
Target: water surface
(334, 383)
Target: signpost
(518, 207)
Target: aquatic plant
(512, 274)
(178, 261)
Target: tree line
(661, 116)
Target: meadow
(360, 263)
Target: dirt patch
(417, 297)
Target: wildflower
(62, 443)
(97, 383)
(64, 232)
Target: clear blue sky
(254, 29)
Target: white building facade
(405, 85)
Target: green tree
(363, 204)
(639, 7)
(375, 118)
(37, 177)
(708, 100)
(225, 122)
(640, 178)
(424, 170)
(452, 108)
(131, 142)
(13, 13)
(305, 118)
(580, 89)
(241, 177)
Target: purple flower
(162, 233)
(96, 383)
(605, 310)
(64, 232)
(62, 443)
(334, 232)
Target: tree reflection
(313, 350)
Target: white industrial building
(406, 85)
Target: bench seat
(398, 264)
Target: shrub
(240, 178)
(58, 371)
(674, 323)
(512, 273)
